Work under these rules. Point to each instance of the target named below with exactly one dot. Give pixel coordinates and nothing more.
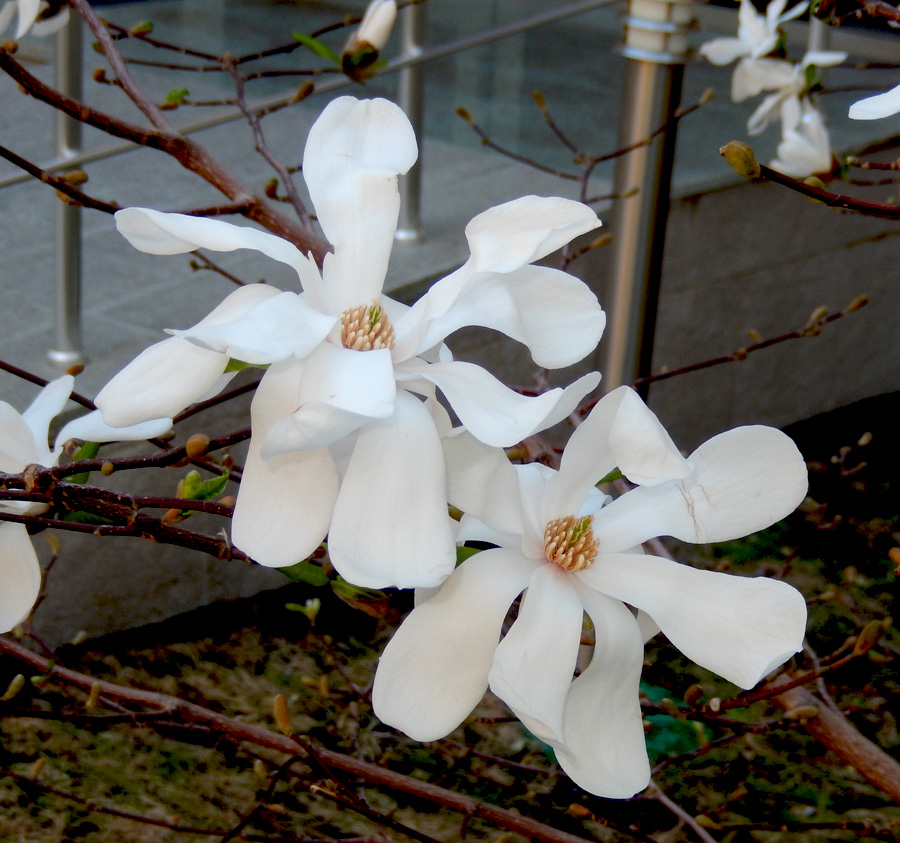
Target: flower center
(570, 543)
(366, 328)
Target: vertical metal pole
(411, 98)
(68, 350)
(655, 48)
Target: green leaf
(615, 474)
(811, 76)
(320, 49)
(195, 489)
(87, 451)
(145, 27)
(177, 95)
(463, 553)
(307, 572)
(239, 366)
(84, 518)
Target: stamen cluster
(366, 328)
(570, 543)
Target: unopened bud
(375, 27)
(259, 768)
(93, 697)
(107, 468)
(539, 100)
(18, 682)
(600, 242)
(197, 445)
(865, 439)
(145, 27)
(100, 75)
(706, 96)
(461, 112)
(271, 189)
(693, 694)
(857, 303)
(669, 707)
(814, 181)
(282, 714)
(741, 158)
(227, 500)
(816, 317)
(802, 713)
(580, 811)
(37, 768)
(705, 822)
(303, 92)
(75, 177)
(715, 704)
(868, 638)
(10, 46)
(77, 369)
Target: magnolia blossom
(786, 80)
(757, 34)
(29, 17)
(874, 108)
(375, 27)
(573, 551)
(342, 441)
(23, 442)
(805, 147)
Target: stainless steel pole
(655, 48)
(68, 350)
(411, 98)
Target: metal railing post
(411, 98)
(68, 349)
(655, 48)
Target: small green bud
(741, 158)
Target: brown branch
(191, 714)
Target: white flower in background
(805, 147)
(757, 34)
(28, 12)
(342, 442)
(23, 442)
(571, 550)
(374, 29)
(874, 108)
(785, 79)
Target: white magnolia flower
(28, 12)
(757, 34)
(785, 79)
(375, 27)
(348, 366)
(23, 442)
(571, 550)
(805, 147)
(874, 108)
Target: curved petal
(554, 314)
(492, 412)
(874, 108)
(158, 233)
(621, 430)
(741, 628)
(48, 404)
(722, 51)
(272, 330)
(92, 428)
(341, 390)
(535, 662)
(160, 382)
(604, 750)
(391, 526)
(743, 480)
(17, 445)
(434, 670)
(355, 151)
(284, 505)
(753, 76)
(49, 26)
(481, 481)
(28, 12)
(20, 575)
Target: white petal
(535, 662)
(434, 670)
(513, 234)
(160, 382)
(28, 11)
(284, 505)
(604, 750)
(282, 325)
(491, 411)
(46, 406)
(341, 390)
(753, 76)
(823, 58)
(377, 23)
(722, 51)
(622, 431)
(20, 575)
(50, 26)
(741, 628)
(355, 151)
(391, 526)
(92, 428)
(551, 312)
(17, 444)
(159, 233)
(874, 108)
(743, 480)
(481, 481)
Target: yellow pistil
(366, 328)
(570, 543)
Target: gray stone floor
(726, 269)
